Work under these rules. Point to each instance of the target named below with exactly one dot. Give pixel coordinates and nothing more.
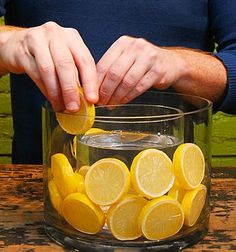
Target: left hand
(133, 65)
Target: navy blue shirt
(195, 24)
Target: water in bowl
(123, 145)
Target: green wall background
(223, 131)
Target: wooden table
(21, 211)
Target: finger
(110, 56)
(142, 86)
(85, 64)
(130, 80)
(31, 69)
(65, 69)
(48, 75)
(114, 76)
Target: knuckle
(160, 86)
(53, 95)
(128, 82)
(72, 31)
(65, 62)
(46, 68)
(103, 92)
(128, 97)
(30, 37)
(139, 88)
(156, 71)
(69, 89)
(151, 53)
(123, 38)
(101, 69)
(51, 26)
(113, 75)
(140, 43)
(87, 61)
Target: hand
(133, 65)
(52, 56)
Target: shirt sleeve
(222, 16)
(2, 7)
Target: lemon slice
(63, 175)
(94, 131)
(189, 165)
(83, 170)
(152, 173)
(193, 203)
(129, 137)
(122, 217)
(73, 147)
(161, 218)
(107, 180)
(79, 179)
(82, 214)
(55, 196)
(176, 192)
(80, 122)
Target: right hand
(52, 56)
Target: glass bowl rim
(179, 112)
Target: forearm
(204, 75)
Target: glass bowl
(156, 120)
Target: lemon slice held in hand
(79, 122)
(189, 165)
(107, 180)
(152, 173)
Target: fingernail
(72, 106)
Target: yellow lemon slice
(73, 147)
(189, 165)
(80, 122)
(107, 180)
(176, 192)
(152, 173)
(193, 203)
(122, 217)
(63, 175)
(83, 170)
(94, 131)
(129, 137)
(161, 218)
(82, 214)
(79, 179)
(55, 196)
